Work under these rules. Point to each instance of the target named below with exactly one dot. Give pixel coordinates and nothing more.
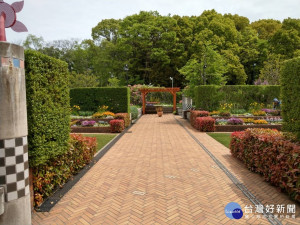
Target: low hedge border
(51, 201)
(205, 124)
(125, 117)
(195, 114)
(117, 126)
(268, 153)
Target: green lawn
(223, 138)
(102, 139)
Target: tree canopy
(149, 48)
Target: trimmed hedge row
(265, 151)
(117, 126)
(89, 99)
(290, 95)
(195, 114)
(125, 117)
(205, 124)
(58, 171)
(48, 99)
(209, 97)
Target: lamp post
(172, 79)
(204, 75)
(253, 73)
(126, 69)
(204, 66)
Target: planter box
(232, 128)
(179, 111)
(188, 115)
(90, 130)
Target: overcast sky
(65, 19)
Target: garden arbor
(145, 91)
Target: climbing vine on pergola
(145, 91)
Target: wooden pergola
(145, 91)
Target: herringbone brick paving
(255, 183)
(157, 174)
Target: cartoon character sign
(8, 18)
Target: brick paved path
(157, 174)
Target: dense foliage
(48, 108)
(125, 117)
(117, 126)
(210, 97)
(58, 171)
(210, 48)
(134, 112)
(195, 114)
(290, 80)
(89, 99)
(267, 152)
(205, 124)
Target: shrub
(260, 122)
(209, 97)
(117, 126)
(205, 124)
(134, 112)
(235, 121)
(48, 107)
(117, 99)
(265, 151)
(56, 172)
(195, 114)
(125, 117)
(290, 83)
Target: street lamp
(253, 74)
(126, 69)
(171, 78)
(204, 75)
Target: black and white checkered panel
(14, 168)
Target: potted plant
(159, 110)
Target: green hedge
(89, 99)
(290, 95)
(48, 107)
(209, 97)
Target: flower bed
(94, 119)
(232, 128)
(267, 152)
(91, 130)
